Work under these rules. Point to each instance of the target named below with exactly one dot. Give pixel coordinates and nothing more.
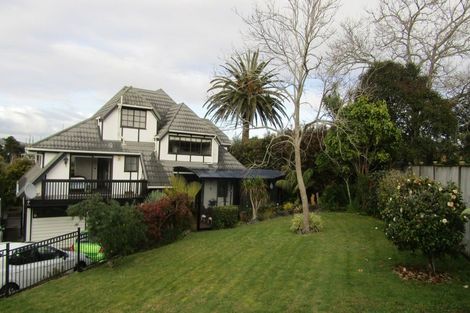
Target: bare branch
(434, 34)
(292, 36)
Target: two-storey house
(130, 146)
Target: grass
(258, 268)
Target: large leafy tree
(365, 137)
(12, 148)
(9, 175)
(265, 152)
(462, 111)
(246, 94)
(274, 152)
(425, 118)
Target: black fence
(23, 265)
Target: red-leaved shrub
(167, 218)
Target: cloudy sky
(61, 60)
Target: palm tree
(246, 94)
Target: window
(131, 164)
(222, 189)
(39, 159)
(23, 256)
(190, 145)
(133, 118)
(48, 253)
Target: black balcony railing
(73, 189)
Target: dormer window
(190, 145)
(133, 118)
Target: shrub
(421, 214)
(366, 192)
(118, 228)
(387, 187)
(288, 207)
(266, 212)
(179, 185)
(334, 198)
(154, 196)
(167, 218)
(224, 216)
(257, 191)
(316, 223)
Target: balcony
(78, 189)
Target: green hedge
(224, 216)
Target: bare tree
(293, 36)
(433, 34)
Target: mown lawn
(258, 268)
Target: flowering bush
(387, 186)
(315, 221)
(421, 214)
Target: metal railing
(24, 265)
(71, 189)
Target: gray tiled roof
(228, 161)
(132, 97)
(159, 100)
(35, 173)
(109, 106)
(159, 171)
(224, 140)
(85, 136)
(82, 136)
(183, 119)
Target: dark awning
(238, 174)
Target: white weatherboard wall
(118, 169)
(210, 191)
(47, 227)
(48, 156)
(164, 155)
(460, 175)
(215, 151)
(112, 128)
(60, 170)
(118, 173)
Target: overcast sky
(62, 60)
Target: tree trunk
(298, 168)
(246, 131)
(253, 207)
(346, 180)
(431, 265)
(303, 191)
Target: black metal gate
(24, 265)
